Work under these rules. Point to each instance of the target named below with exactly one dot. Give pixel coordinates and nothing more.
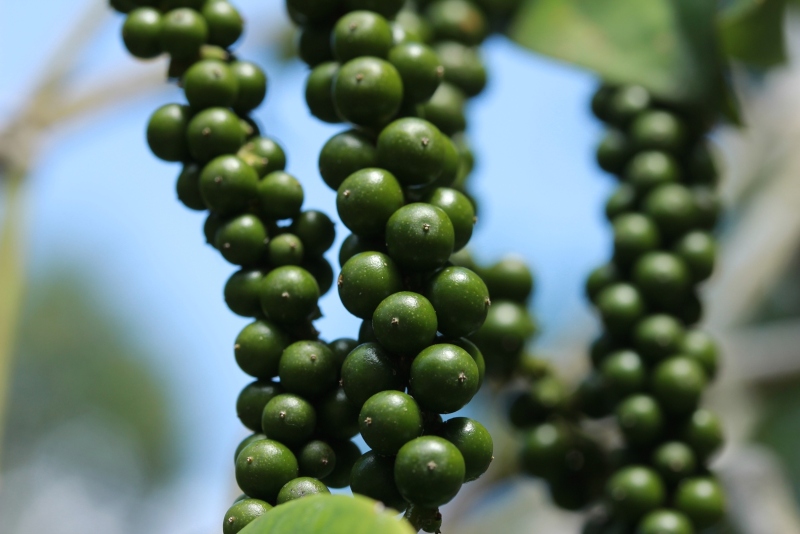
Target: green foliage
(329, 514)
(752, 32)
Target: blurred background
(121, 383)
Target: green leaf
(668, 46)
(751, 31)
(330, 514)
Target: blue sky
(99, 201)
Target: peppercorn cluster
(652, 364)
(400, 74)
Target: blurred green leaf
(752, 32)
(329, 514)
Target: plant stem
(12, 282)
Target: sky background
(100, 203)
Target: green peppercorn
(367, 91)
(141, 32)
(388, 420)
(429, 471)
(319, 92)
(183, 31)
(635, 491)
(214, 132)
(225, 24)
(289, 294)
(463, 67)
(166, 132)
(242, 514)
(259, 347)
(405, 323)
(367, 370)
(263, 467)
(301, 487)
(308, 368)
(344, 154)
(444, 378)
(252, 83)
(361, 33)
(366, 280)
(366, 200)
(316, 459)
(280, 196)
(640, 419)
(252, 400)
(289, 419)
(188, 188)
(264, 155)
(678, 383)
(702, 500)
(420, 237)
(373, 476)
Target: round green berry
(347, 453)
(228, 184)
(264, 155)
(703, 433)
(373, 477)
(473, 441)
(225, 24)
(544, 449)
(183, 31)
(671, 207)
(366, 200)
(634, 235)
(319, 92)
(289, 419)
(621, 306)
(346, 153)
(658, 130)
(635, 491)
(247, 441)
(413, 149)
(429, 471)
(214, 132)
(301, 487)
(678, 383)
(640, 418)
(308, 368)
(650, 169)
(674, 461)
(622, 200)
(444, 378)
(367, 370)
(665, 522)
(210, 83)
(289, 294)
(280, 196)
(388, 420)
(188, 188)
(263, 467)
(166, 132)
(627, 102)
(242, 240)
(252, 82)
(141, 32)
(316, 459)
(600, 278)
(463, 67)
(259, 347)
(322, 271)
(457, 20)
(405, 323)
(702, 500)
(367, 91)
(366, 280)
(662, 278)
(459, 210)
(698, 251)
(509, 279)
(251, 401)
(361, 33)
(624, 373)
(286, 249)
(445, 109)
(314, 43)
(613, 151)
(242, 514)
(657, 337)
(461, 301)
(700, 347)
(420, 237)
(316, 230)
(420, 68)
(242, 292)
(337, 415)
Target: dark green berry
(242, 292)
(259, 347)
(640, 418)
(263, 467)
(141, 32)
(289, 419)
(373, 477)
(674, 461)
(280, 196)
(210, 227)
(672, 208)
(600, 278)
(622, 200)
(301, 487)
(543, 451)
(634, 492)
(361, 33)
(613, 151)
(316, 459)
(289, 294)
(461, 301)
(347, 453)
(473, 350)
(210, 83)
(444, 378)
(242, 240)
(342, 347)
(344, 154)
(413, 150)
(662, 278)
(459, 210)
(420, 68)
(509, 279)
(601, 102)
(624, 373)
(225, 24)
(445, 109)
(626, 103)
(678, 383)
(463, 67)
(405, 323)
(429, 471)
(545, 397)
(702, 500)
(457, 20)
(634, 235)
(214, 132)
(228, 185)
(366, 280)
(420, 237)
(252, 83)
(242, 514)
(188, 188)
(367, 91)
(316, 230)
(698, 251)
(365, 332)
(251, 401)
(649, 169)
(507, 327)
(473, 441)
(388, 420)
(322, 271)
(657, 337)
(183, 31)
(700, 347)
(319, 92)
(621, 306)
(337, 415)
(286, 249)
(658, 130)
(703, 433)
(367, 370)
(366, 200)
(247, 441)
(308, 368)
(166, 132)
(264, 155)
(665, 522)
